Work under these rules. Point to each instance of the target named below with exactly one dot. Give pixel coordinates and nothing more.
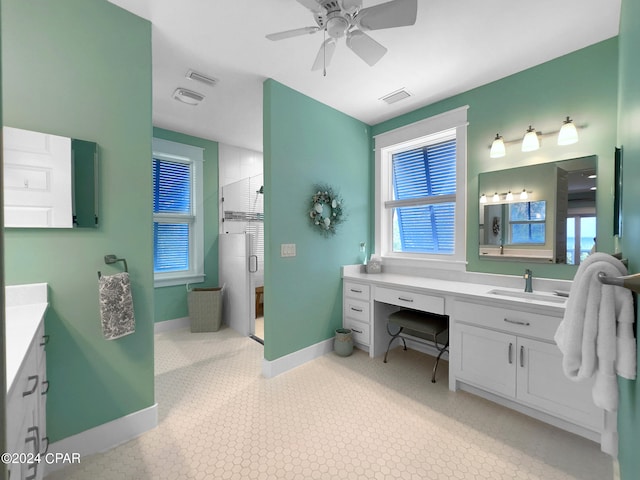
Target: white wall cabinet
(512, 354)
(26, 413)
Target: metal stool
(420, 324)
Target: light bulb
(509, 197)
(497, 147)
(530, 142)
(524, 195)
(483, 198)
(568, 133)
(496, 197)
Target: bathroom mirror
(544, 212)
(49, 181)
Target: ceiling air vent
(396, 96)
(199, 77)
(188, 96)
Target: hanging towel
(596, 334)
(116, 306)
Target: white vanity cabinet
(512, 354)
(356, 316)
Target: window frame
(165, 150)
(428, 131)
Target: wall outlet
(287, 249)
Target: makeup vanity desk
(501, 343)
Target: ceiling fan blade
(351, 5)
(312, 5)
(292, 33)
(323, 58)
(365, 47)
(397, 13)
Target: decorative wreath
(326, 210)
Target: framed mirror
(50, 181)
(544, 212)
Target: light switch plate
(287, 249)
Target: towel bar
(632, 282)
(109, 259)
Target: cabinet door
(486, 359)
(542, 384)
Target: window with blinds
(424, 198)
(173, 217)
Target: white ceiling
(453, 47)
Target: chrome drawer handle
(356, 309)
(517, 322)
(510, 353)
(357, 331)
(521, 356)
(410, 300)
(355, 291)
(46, 390)
(45, 340)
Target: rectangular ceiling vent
(396, 96)
(188, 96)
(199, 77)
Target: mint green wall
(82, 68)
(306, 142)
(171, 302)
(629, 139)
(583, 85)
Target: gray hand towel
(116, 306)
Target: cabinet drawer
(359, 330)
(416, 301)
(513, 321)
(356, 309)
(356, 290)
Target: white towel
(116, 306)
(596, 333)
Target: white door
(486, 359)
(542, 384)
(37, 179)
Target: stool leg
(435, 367)
(393, 337)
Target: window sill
(168, 280)
(418, 264)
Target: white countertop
(25, 309)
(473, 291)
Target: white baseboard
(174, 324)
(105, 436)
(271, 368)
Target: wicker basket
(205, 309)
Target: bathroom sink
(534, 297)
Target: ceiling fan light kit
(347, 18)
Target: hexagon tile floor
(332, 418)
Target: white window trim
(430, 129)
(179, 152)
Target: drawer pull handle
(510, 353)
(521, 356)
(410, 300)
(355, 290)
(357, 331)
(46, 448)
(35, 385)
(46, 388)
(45, 340)
(517, 322)
(356, 309)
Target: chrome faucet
(528, 276)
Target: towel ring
(109, 259)
(632, 282)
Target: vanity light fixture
(568, 133)
(509, 197)
(496, 197)
(524, 195)
(530, 142)
(483, 198)
(497, 147)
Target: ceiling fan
(347, 18)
